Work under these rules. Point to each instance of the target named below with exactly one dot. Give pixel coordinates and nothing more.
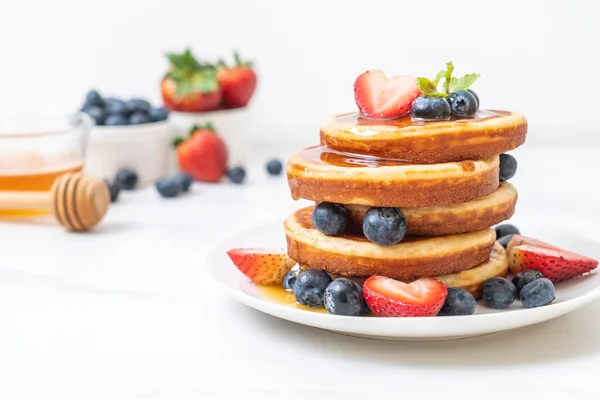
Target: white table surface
(127, 312)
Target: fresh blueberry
(158, 114)
(538, 293)
(310, 287)
(97, 113)
(463, 103)
(476, 97)
(499, 293)
(127, 178)
(93, 98)
(116, 120)
(506, 229)
(114, 188)
(114, 106)
(169, 187)
(458, 302)
(330, 218)
(384, 226)
(274, 167)
(344, 297)
(236, 174)
(431, 108)
(525, 277)
(138, 118)
(508, 167)
(504, 240)
(185, 179)
(288, 281)
(138, 105)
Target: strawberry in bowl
(237, 83)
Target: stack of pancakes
(443, 176)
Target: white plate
(569, 295)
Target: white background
(538, 57)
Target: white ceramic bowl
(145, 148)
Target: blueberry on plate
(499, 293)
(384, 226)
(431, 108)
(525, 277)
(138, 118)
(463, 103)
(236, 174)
(93, 98)
(114, 188)
(504, 240)
(127, 178)
(288, 281)
(344, 297)
(116, 120)
(330, 218)
(310, 287)
(157, 114)
(476, 97)
(97, 113)
(274, 167)
(506, 229)
(458, 302)
(138, 105)
(508, 167)
(185, 179)
(114, 106)
(538, 293)
(169, 187)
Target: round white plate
(569, 295)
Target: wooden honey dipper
(78, 202)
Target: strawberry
(190, 85)
(390, 298)
(203, 155)
(238, 83)
(554, 263)
(262, 266)
(381, 97)
(518, 240)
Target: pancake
(320, 174)
(471, 216)
(489, 133)
(355, 256)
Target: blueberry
(185, 179)
(138, 105)
(288, 281)
(310, 287)
(344, 297)
(114, 188)
(508, 167)
(158, 114)
(330, 218)
(506, 229)
(127, 178)
(116, 120)
(525, 277)
(504, 240)
(93, 98)
(499, 293)
(431, 108)
(169, 187)
(458, 302)
(538, 293)
(138, 118)
(274, 167)
(115, 106)
(97, 113)
(236, 174)
(476, 97)
(384, 226)
(463, 103)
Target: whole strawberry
(237, 83)
(203, 155)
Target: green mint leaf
(448, 76)
(463, 83)
(438, 77)
(428, 88)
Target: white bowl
(145, 148)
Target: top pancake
(489, 133)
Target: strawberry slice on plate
(518, 240)
(262, 266)
(391, 298)
(378, 96)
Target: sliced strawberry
(518, 240)
(380, 97)
(390, 298)
(554, 263)
(262, 266)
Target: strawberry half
(262, 266)
(518, 240)
(390, 298)
(554, 263)
(378, 96)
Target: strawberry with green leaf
(190, 85)
(203, 154)
(237, 83)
